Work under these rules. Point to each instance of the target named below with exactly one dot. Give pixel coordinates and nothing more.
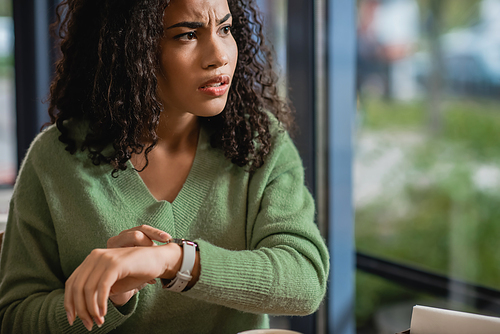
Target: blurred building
(388, 32)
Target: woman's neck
(177, 132)
(174, 151)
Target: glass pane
(8, 160)
(275, 20)
(390, 312)
(427, 166)
(275, 25)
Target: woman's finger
(68, 301)
(91, 291)
(130, 238)
(142, 235)
(154, 233)
(69, 296)
(105, 284)
(79, 288)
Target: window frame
(33, 57)
(341, 110)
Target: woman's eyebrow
(195, 25)
(224, 19)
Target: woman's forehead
(205, 11)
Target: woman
(173, 128)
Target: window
(8, 159)
(7, 119)
(302, 34)
(427, 172)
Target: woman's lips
(216, 86)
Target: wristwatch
(183, 276)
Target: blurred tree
(455, 13)
(440, 16)
(436, 79)
(6, 7)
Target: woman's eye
(187, 36)
(226, 30)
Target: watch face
(177, 241)
(181, 242)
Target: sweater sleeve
(31, 277)
(285, 269)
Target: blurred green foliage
(442, 219)
(456, 13)
(6, 66)
(6, 7)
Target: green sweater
(260, 250)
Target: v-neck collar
(174, 217)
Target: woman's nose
(215, 53)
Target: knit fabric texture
(260, 250)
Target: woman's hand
(143, 235)
(114, 271)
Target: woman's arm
(286, 266)
(31, 277)
(115, 271)
(284, 273)
(131, 261)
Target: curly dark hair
(107, 77)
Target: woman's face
(198, 57)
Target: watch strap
(183, 276)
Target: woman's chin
(210, 114)
(213, 109)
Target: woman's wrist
(172, 253)
(174, 257)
